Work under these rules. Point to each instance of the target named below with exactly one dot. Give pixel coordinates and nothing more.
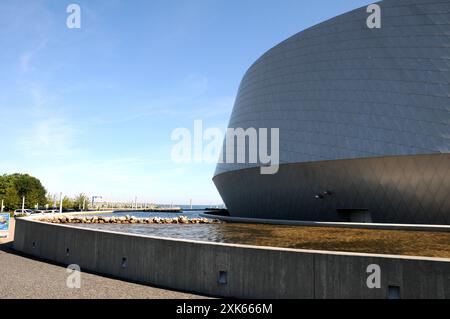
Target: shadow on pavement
(7, 247)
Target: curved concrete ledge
(228, 270)
(433, 228)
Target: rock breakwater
(62, 219)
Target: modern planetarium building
(363, 116)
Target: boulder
(183, 220)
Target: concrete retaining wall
(245, 271)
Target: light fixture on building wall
(325, 193)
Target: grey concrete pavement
(27, 278)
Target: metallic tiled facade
(406, 189)
(342, 92)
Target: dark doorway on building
(355, 215)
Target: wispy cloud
(51, 136)
(201, 108)
(27, 57)
(45, 131)
(66, 109)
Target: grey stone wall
(195, 266)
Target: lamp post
(94, 198)
(23, 203)
(2, 207)
(60, 202)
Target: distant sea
(196, 207)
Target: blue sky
(92, 110)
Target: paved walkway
(23, 277)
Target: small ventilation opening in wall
(124, 262)
(67, 252)
(223, 277)
(394, 292)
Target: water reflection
(316, 238)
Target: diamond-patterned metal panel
(363, 112)
(340, 90)
(404, 189)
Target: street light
(94, 198)
(60, 202)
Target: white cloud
(53, 137)
(27, 57)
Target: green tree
(50, 201)
(82, 200)
(14, 187)
(5, 183)
(34, 198)
(12, 199)
(67, 203)
(31, 188)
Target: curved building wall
(340, 91)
